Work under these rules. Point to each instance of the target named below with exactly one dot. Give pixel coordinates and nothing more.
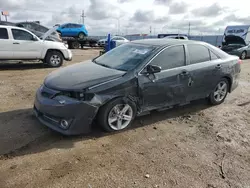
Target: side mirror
(152, 69)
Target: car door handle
(16, 43)
(184, 73)
(218, 66)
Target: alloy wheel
(220, 91)
(243, 55)
(120, 116)
(55, 60)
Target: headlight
(77, 95)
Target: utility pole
(83, 16)
(189, 25)
(150, 31)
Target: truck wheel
(75, 45)
(117, 115)
(54, 59)
(81, 35)
(243, 55)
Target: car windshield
(125, 57)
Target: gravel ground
(194, 146)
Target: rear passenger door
(169, 86)
(204, 67)
(6, 51)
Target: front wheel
(243, 55)
(220, 92)
(54, 59)
(117, 115)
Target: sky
(133, 16)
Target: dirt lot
(195, 146)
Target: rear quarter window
(198, 53)
(213, 55)
(4, 33)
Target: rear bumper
(51, 112)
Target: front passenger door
(25, 45)
(169, 86)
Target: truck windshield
(125, 57)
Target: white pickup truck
(20, 44)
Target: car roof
(165, 42)
(7, 23)
(13, 27)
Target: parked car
(73, 30)
(133, 79)
(172, 35)
(39, 30)
(176, 37)
(35, 28)
(118, 39)
(20, 44)
(236, 45)
(7, 23)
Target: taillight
(240, 61)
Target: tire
(54, 59)
(243, 55)
(108, 116)
(75, 45)
(81, 35)
(219, 94)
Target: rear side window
(170, 58)
(3, 33)
(213, 56)
(198, 53)
(21, 35)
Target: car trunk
(233, 42)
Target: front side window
(170, 58)
(21, 35)
(4, 33)
(125, 57)
(198, 53)
(65, 26)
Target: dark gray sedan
(235, 45)
(133, 79)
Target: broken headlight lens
(77, 95)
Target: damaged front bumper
(63, 114)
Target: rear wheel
(75, 45)
(243, 55)
(54, 59)
(117, 115)
(220, 92)
(81, 35)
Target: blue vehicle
(73, 30)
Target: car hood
(232, 39)
(80, 76)
(49, 32)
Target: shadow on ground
(22, 134)
(21, 66)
